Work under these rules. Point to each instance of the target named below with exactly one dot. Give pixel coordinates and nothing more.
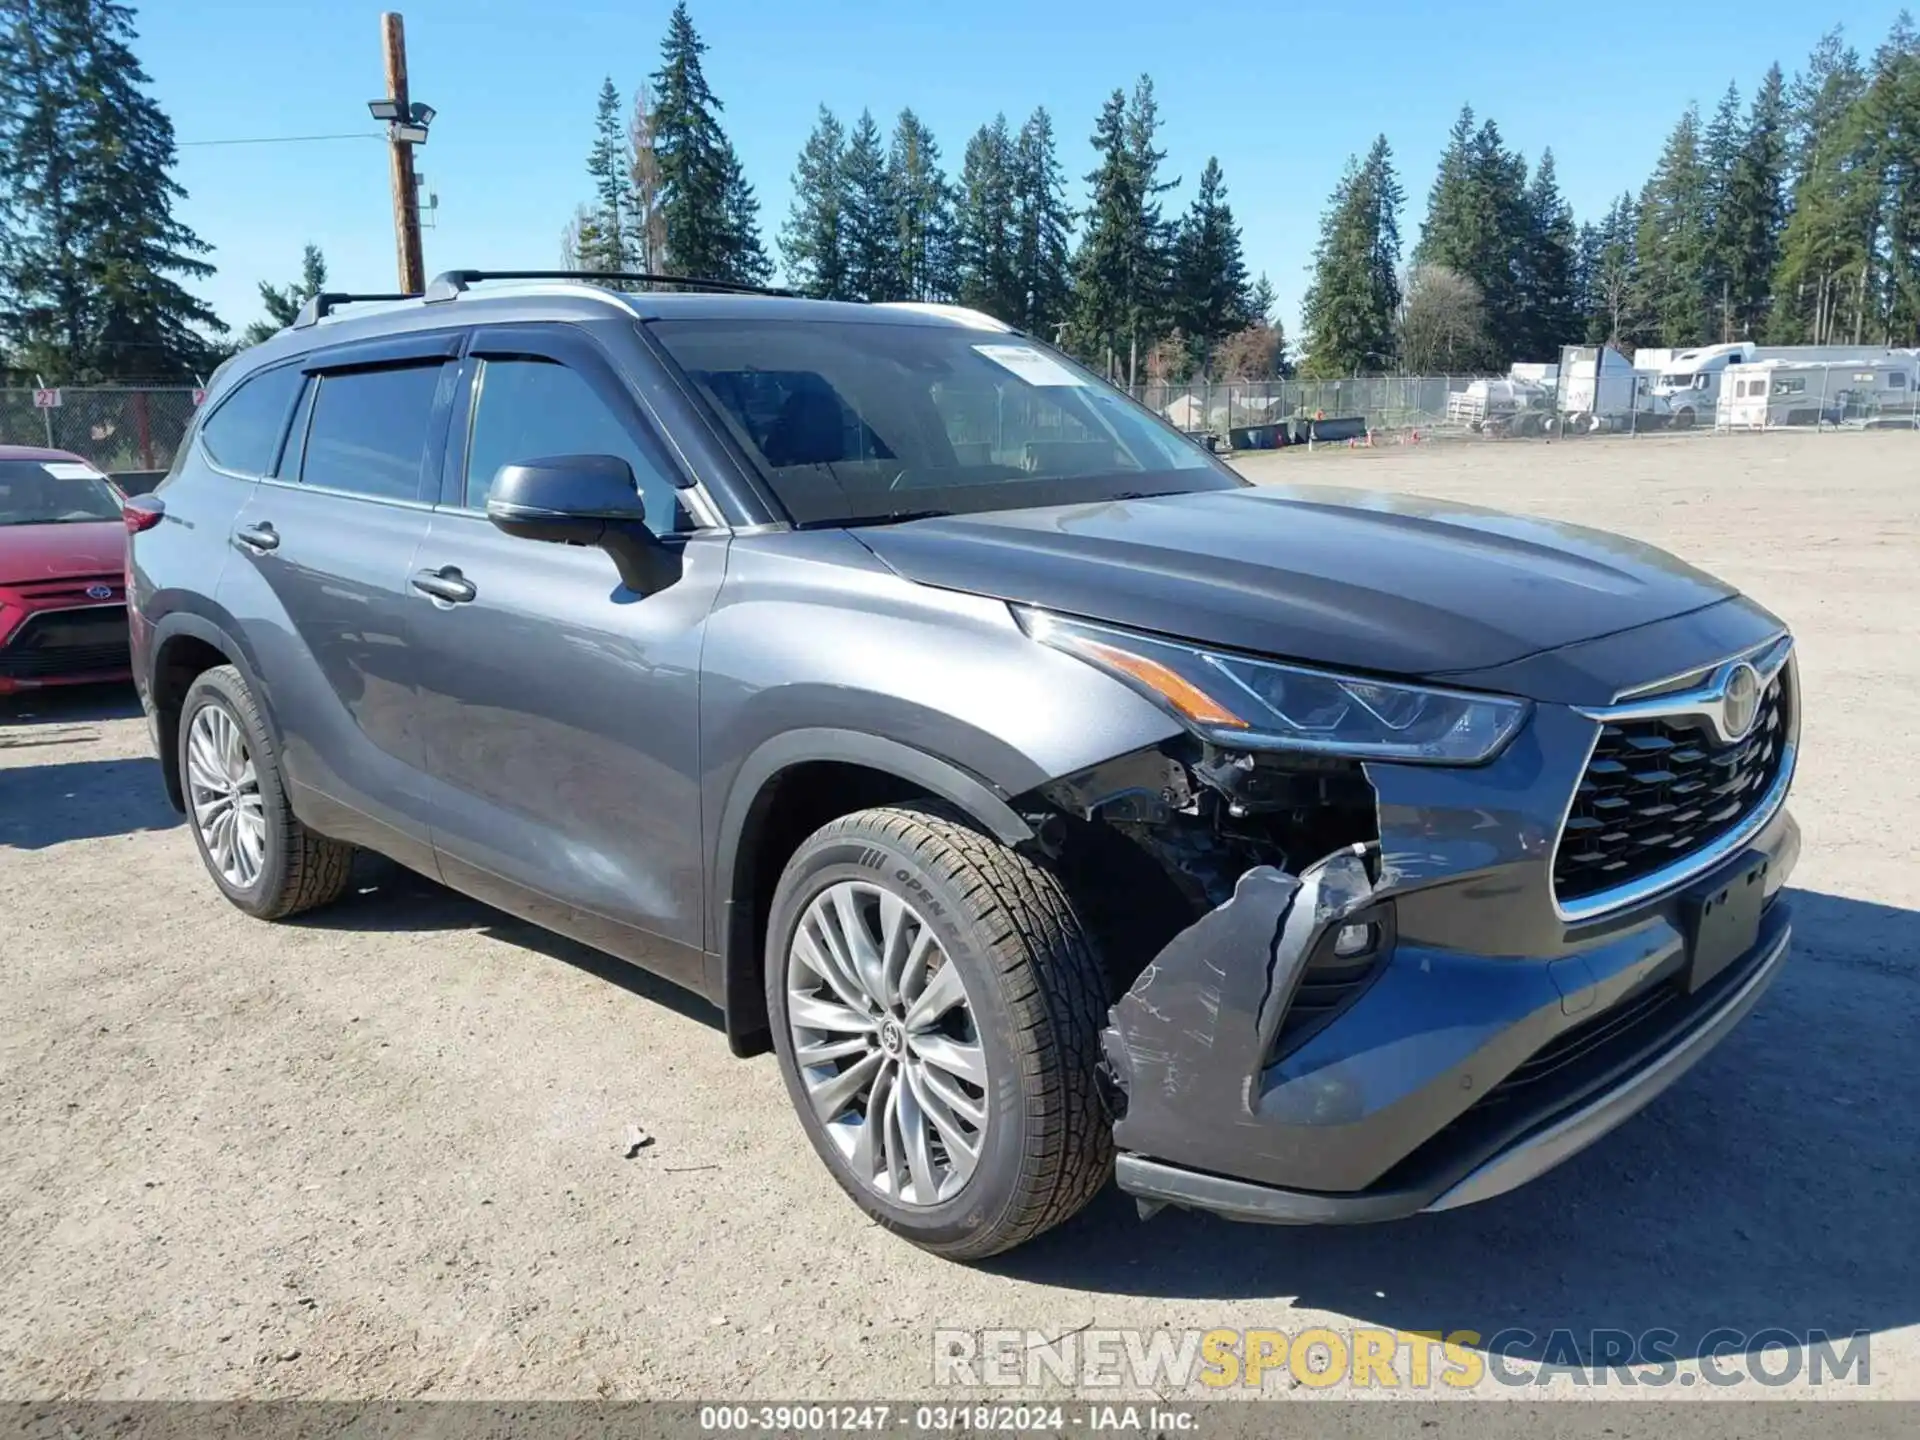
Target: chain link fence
(1880, 392)
(118, 430)
(1396, 404)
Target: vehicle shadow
(1771, 1189)
(66, 705)
(43, 805)
(387, 896)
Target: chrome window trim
(1768, 659)
(280, 482)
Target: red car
(63, 556)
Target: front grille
(57, 643)
(1658, 789)
(71, 590)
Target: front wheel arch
(783, 792)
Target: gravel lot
(379, 1152)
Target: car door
(559, 709)
(319, 585)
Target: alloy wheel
(223, 791)
(886, 1043)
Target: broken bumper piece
(1445, 1078)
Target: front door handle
(446, 583)
(260, 537)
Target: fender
(738, 985)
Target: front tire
(256, 849)
(937, 1007)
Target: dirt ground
(379, 1152)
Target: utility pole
(406, 191)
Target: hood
(1394, 584)
(57, 552)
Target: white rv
(1766, 394)
(1689, 387)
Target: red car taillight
(143, 512)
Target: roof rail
(324, 304)
(449, 283)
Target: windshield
(853, 421)
(54, 492)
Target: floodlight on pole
(388, 110)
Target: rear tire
(1030, 999)
(256, 849)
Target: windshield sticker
(1030, 365)
(67, 470)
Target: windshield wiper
(885, 517)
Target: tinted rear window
(369, 431)
(243, 434)
(851, 420)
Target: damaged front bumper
(1489, 1039)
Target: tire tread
(1055, 985)
(318, 869)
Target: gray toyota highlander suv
(1052, 801)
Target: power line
(286, 139)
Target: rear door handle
(261, 537)
(446, 583)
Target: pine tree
(986, 231)
(609, 163)
(1672, 243)
(1612, 278)
(1349, 308)
(746, 260)
(1478, 226)
(1211, 298)
(1549, 311)
(1150, 260)
(580, 238)
(1719, 148)
(813, 241)
(867, 228)
(1750, 212)
(1262, 301)
(1893, 116)
(283, 304)
(1043, 278)
(1827, 247)
(92, 258)
(708, 211)
(1102, 267)
(922, 208)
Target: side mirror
(584, 500)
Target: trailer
(1505, 406)
(1776, 393)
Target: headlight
(1252, 704)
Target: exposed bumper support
(1555, 1139)
(1188, 1040)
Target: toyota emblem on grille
(99, 592)
(1739, 701)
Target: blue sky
(1281, 92)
